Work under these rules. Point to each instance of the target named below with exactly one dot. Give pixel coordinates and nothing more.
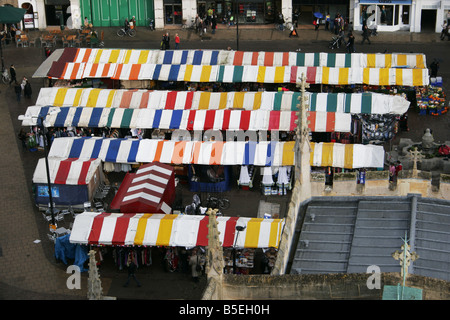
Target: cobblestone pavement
(28, 270)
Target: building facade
(395, 15)
(387, 15)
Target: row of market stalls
(121, 108)
(240, 58)
(263, 153)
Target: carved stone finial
(214, 256)
(95, 291)
(405, 257)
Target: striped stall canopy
(242, 58)
(367, 102)
(255, 74)
(263, 153)
(173, 230)
(70, 171)
(348, 156)
(191, 119)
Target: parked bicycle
(336, 42)
(6, 78)
(151, 24)
(130, 32)
(187, 25)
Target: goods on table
(431, 99)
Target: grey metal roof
(347, 235)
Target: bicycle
(185, 25)
(151, 24)
(129, 32)
(335, 42)
(6, 78)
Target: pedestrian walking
(293, 33)
(296, 17)
(12, 72)
(18, 91)
(365, 34)
(392, 173)
(177, 41)
(167, 41)
(27, 91)
(280, 21)
(351, 43)
(327, 21)
(214, 24)
(131, 271)
(398, 168)
(434, 67)
(316, 23)
(444, 31)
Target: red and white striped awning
(254, 74)
(247, 58)
(72, 171)
(256, 120)
(150, 189)
(173, 230)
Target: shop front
(112, 13)
(173, 13)
(305, 10)
(247, 11)
(409, 15)
(384, 15)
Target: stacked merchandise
(378, 128)
(431, 99)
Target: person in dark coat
(214, 24)
(167, 41)
(365, 34)
(12, 72)
(27, 91)
(351, 43)
(434, 67)
(131, 271)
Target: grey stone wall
(324, 287)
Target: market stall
(150, 189)
(366, 102)
(256, 120)
(239, 58)
(173, 230)
(73, 181)
(263, 153)
(253, 74)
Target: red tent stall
(150, 189)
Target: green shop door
(112, 13)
